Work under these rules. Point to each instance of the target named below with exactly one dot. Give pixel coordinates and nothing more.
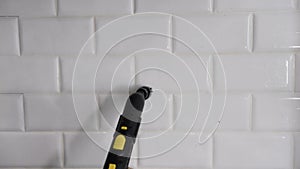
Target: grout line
(63, 162)
(19, 34)
(59, 75)
(94, 36)
(134, 65)
(250, 34)
(210, 74)
(213, 76)
(294, 77)
(173, 108)
(293, 160)
(251, 113)
(173, 40)
(133, 5)
(98, 115)
(56, 7)
(94, 26)
(211, 6)
(170, 38)
(23, 110)
(213, 152)
(137, 144)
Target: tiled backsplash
(258, 44)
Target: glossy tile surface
(44, 149)
(157, 156)
(27, 8)
(253, 150)
(11, 112)
(9, 33)
(58, 112)
(32, 74)
(211, 33)
(255, 72)
(254, 5)
(276, 32)
(94, 7)
(57, 36)
(279, 112)
(176, 7)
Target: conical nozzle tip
(146, 91)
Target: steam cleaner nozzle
(127, 128)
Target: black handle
(127, 129)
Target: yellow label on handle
(124, 128)
(119, 142)
(112, 166)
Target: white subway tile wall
(227, 33)
(254, 5)
(9, 33)
(297, 150)
(93, 74)
(163, 66)
(276, 31)
(28, 8)
(176, 7)
(260, 72)
(56, 112)
(143, 31)
(253, 150)
(94, 7)
(28, 74)
(174, 154)
(21, 149)
(297, 70)
(276, 112)
(56, 36)
(12, 112)
(231, 64)
(236, 110)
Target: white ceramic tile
(30, 74)
(236, 112)
(187, 154)
(111, 107)
(57, 36)
(253, 150)
(9, 33)
(276, 112)
(297, 150)
(81, 151)
(297, 74)
(253, 5)
(173, 6)
(30, 149)
(276, 31)
(157, 113)
(133, 33)
(227, 33)
(56, 112)
(170, 73)
(11, 112)
(93, 7)
(257, 72)
(27, 8)
(109, 74)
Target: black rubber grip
(127, 129)
(132, 127)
